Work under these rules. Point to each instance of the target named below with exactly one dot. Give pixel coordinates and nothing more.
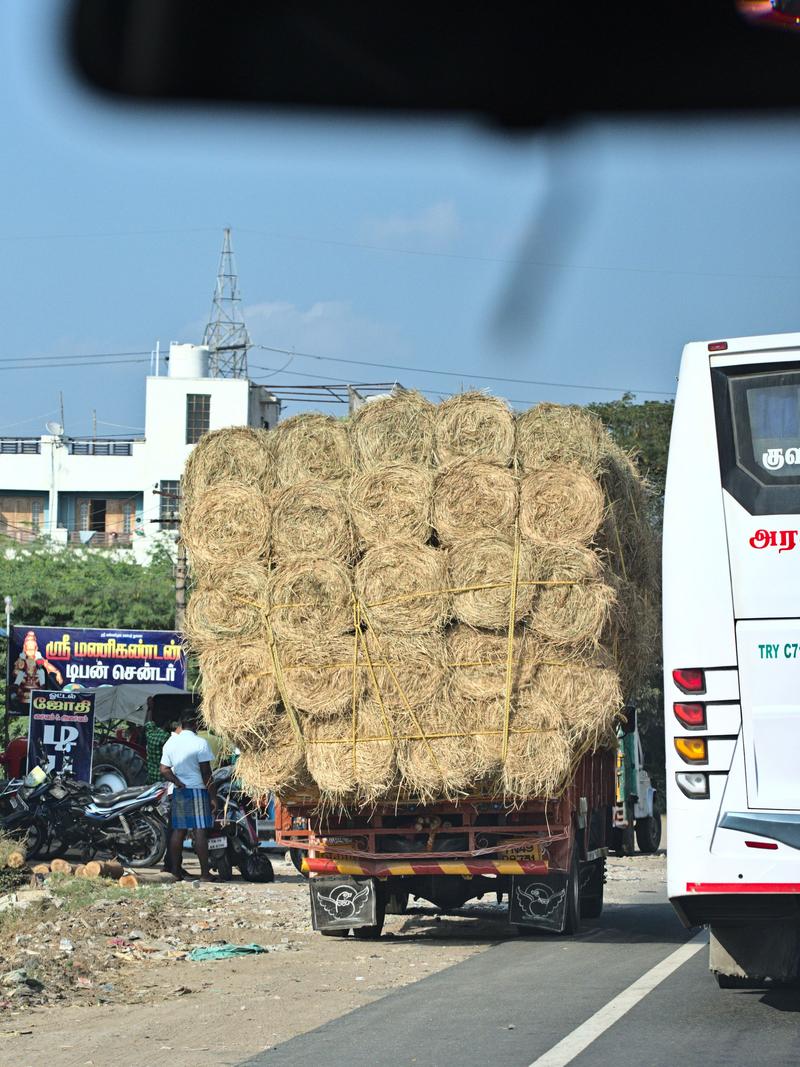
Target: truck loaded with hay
(419, 626)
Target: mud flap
(342, 903)
(539, 901)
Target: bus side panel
(698, 607)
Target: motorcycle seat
(109, 800)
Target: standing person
(155, 739)
(186, 762)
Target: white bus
(732, 652)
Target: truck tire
(116, 766)
(622, 841)
(593, 889)
(372, 933)
(572, 916)
(296, 856)
(648, 833)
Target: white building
(121, 491)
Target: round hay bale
(234, 606)
(312, 445)
(240, 694)
(550, 434)
(311, 517)
(574, 610)
(278, 766)
(224, 525)
(472, 497)
(628, 536)
(394, 429)
(439, 766)
(237, 454)
(560, 504)
(481, 571)
(633, 631)
(477, 662)
(318, 674)
(474, 425)
(344, 771)
(586, 698)
(402, 586)
(481, 749)
(390, 501)
(310, 595)
(409, 669)
(540, 757)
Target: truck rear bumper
(400, 868)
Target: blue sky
(397, 244)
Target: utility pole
(61, 408)
(226, 334)
(180, 585)
(94, 423)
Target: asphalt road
(545, 996)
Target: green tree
(644, 430)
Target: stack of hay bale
(425, 600)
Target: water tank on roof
(188, 361)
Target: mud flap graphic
(340, 903)
(539, 901)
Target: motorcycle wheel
(153, 845)
(35, 838)
(223, 866)
(256, 867)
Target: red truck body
(451, 852)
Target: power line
(71, 355)
(87, 363)
(468, 375)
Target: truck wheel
(334, 933)
(648, 833)
(372, 933)
(116, 766)
(572, 917)
(622, 841)
(296, 856)
(592, 894)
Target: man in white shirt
(186, 762)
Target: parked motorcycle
(233, 842)
(60, 808)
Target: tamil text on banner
(61, 731)
(50, 657)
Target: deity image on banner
(32, 671)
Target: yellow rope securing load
(424, 602)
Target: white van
(732, 652)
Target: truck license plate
(217, 843)
(531, 852)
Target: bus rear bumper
(735, 903)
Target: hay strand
(310, 595)
(224, 525)
(312, 445)
(474, 425)
(549, 434)
(238, 454)
(394, 429)
(472, 497)
(402, 587)
(392, 501)
(311, 517)
(560, 504)
(481, 571)
(233, 606)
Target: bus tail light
(718, 346)
(761, 844)
(690, 679)
(693, 784)
(692, 716)
(692, 749)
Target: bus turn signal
(691, 715)
(692, 749)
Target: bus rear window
(758, 432)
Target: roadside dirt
(132, 1000)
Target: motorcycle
(60, 808)
(233, 842)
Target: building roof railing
(76, 446)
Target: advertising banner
(61, 730)
(55, 657)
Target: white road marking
(580, 1038)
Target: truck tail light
(690, 679)
(693, 784)
(692, 749)
(691, 715)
